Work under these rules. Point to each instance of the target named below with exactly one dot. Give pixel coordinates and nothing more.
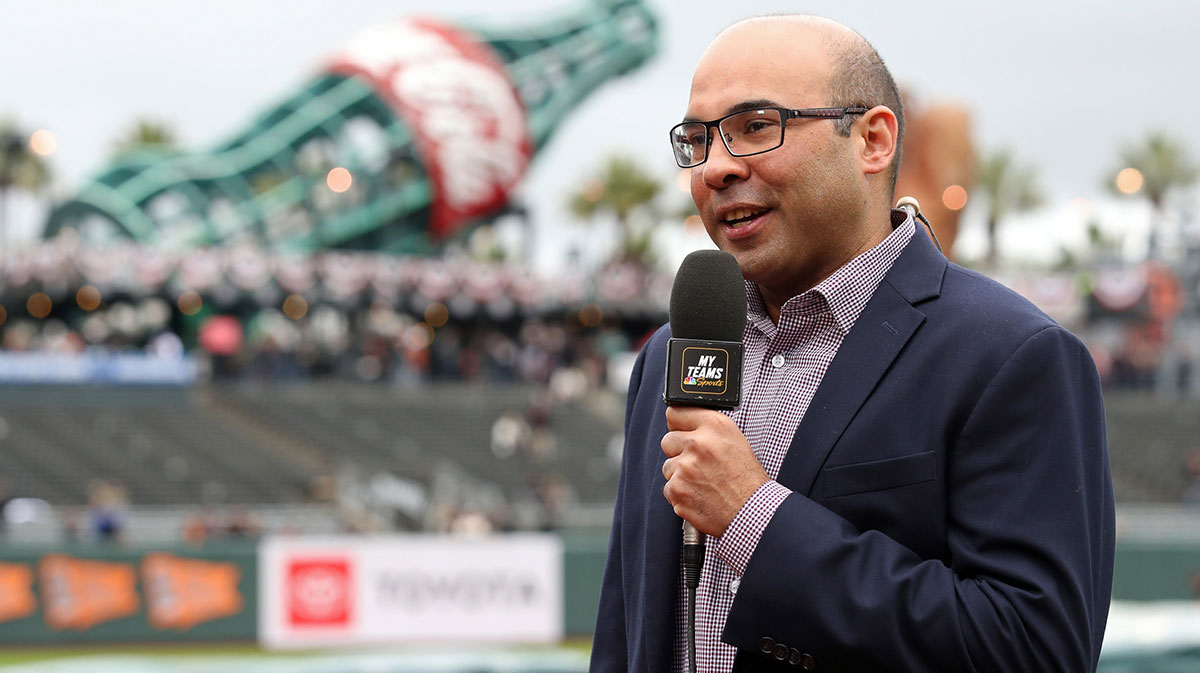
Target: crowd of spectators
(248, 313)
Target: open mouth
(742, 216)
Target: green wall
(242, 626)
(1144, 571)
(1150, 571)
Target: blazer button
(765, 645)
(794, 656)
(780, 652)
(807, 662)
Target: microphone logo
(705, 371)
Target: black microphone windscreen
(708, 298)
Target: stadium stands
(514, 452)
(1149, 438)
(158, 443)
(267, 444)
(411, 432)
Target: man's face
(790, 215)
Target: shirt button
(778, 361)
(733, 586)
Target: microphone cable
(913, 208)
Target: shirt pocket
(879, 475)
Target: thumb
(682, 418)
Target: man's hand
(711, 470)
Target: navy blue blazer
(952, 506)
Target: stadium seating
(1149, 437)
(160, 444)
(266, 443)
(411, 431)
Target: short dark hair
(860, 78)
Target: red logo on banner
(319, 592)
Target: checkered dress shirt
(783, 365)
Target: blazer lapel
(664, 535)
(883, 328)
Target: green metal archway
(268, 184)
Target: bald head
(797, 25)
(851, 72)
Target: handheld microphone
(708, 316)
(704, 367)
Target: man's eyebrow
(742, 107)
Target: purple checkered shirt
(782, 368)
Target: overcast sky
(1063, 84)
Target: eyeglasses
(744, 133)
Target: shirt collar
(846, 291)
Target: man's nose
(721, 168)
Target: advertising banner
(410, 589)
(25, 367)
(86, 594)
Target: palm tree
(146, 134)
(20, 168)
(622, 189)
(1009, 189)
(1164, 166)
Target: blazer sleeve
(610, 649)
(1026, 582)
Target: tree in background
(146, 134)
(20, 168)
(1161, 166)
(623, 190)
(1008, 188)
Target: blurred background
(305, 309)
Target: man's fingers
(682, 418)
(674, 492)
(691, 418)
(672, 444)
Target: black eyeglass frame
(784, 113)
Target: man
(917, 477)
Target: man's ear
(879, 131)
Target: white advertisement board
(319, 591)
